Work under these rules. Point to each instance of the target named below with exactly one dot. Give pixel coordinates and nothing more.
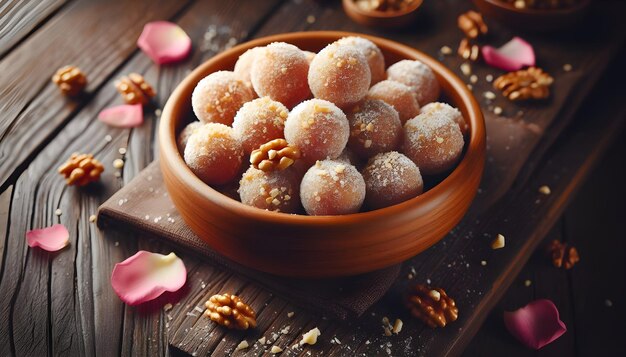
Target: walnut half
(274, 155)
(230, 311)
(431, 305)
(70, 80)
(81, 169)
(563, 255)
(472, 24)
(530, 83)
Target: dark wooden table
(63, 304)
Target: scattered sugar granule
(310, 19)
(120, 202)
(108, 138)
(58, 212)
(466, 69)
(262, 340)
(167, 307)
(117, 174)
(608, 303)
(158, 112)
(469, 86)
(497, 110)
(122, 151)
(290, 314)
(489, 95)
(310, 338)
(483, 262)
(285, 330)
(473, 78)
(242, 345)
(527, 283)
(397, 326)
(117, 244)
(567, 67)
(489, 78)
(92, 218)
(118, 163)
(498, 242)
(276, 349)
(544, 190)
(445, 50)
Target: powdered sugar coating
(399, 96)
(339, 74)
(391, 178)
(318, 128)
(244, 65)
(214, 154)
(274, 190)
(419, 77)
(374, 128)
(184, 135)
(331, 187)
(445, 109)
(309, 56)
(258, 122)
(280, 72)
(433, 142)
(218, 96)
(371, 52)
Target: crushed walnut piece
(530, 83)
(81, 169)
(230, 311)
(431, 305)
(562, 254)
(134, 89)
(468, 50)
(70, 80)
(472, 24)
(274, 155)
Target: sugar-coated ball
(280, 72)
(218, 97)
(318, 128)
(331, 187)
(372, 53)
(244, 65)
(258, 122)
(399, 96)
(419, 77)
(374, 128)
(184, 135)
(273, 190)
(214, 154)
(391, 178)
(434, 142)
(445, 109)
(339, 74)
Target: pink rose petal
(512, 56)
(536, 324)
(51, 239)
(146, 275)
(164, 42)
(122, 116)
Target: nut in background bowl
(386, 19)
(320, 246)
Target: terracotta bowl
(320, 246)
(532, 19)
(381, 18)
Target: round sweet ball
(280, 72)
(244, 65)
(391, 178)
(340, 74)
(374, 128)
(184, 135)
(419, 77)
(258, 122)
(433, 142)
(372, 53)
(444, 109)
(399, 96)
(218, 97)
(349, 157)
(214, 154)
(318, 128)
(309, 55)
(332, 187)
(273, 190)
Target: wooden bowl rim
(538, 12)
(375, 14)
(169, 150)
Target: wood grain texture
(19, 18)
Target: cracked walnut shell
(81, 169)
(230, 311)
(134, 89)
(274, 155)
(530, 83)
(472, 24)
(562, 254)
(431, 305)
(70, 80)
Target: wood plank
(32, 108)
(19, 18)
(5, 209)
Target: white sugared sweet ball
(374, 128)
(332, 187)
(444, 109)
(258, 122)
(244, 65)
(391, 178)
(419, 77)
(372, 53)
(218, 97)
(214, 154)
(399, 96)
(184, 135)
(318, 128)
